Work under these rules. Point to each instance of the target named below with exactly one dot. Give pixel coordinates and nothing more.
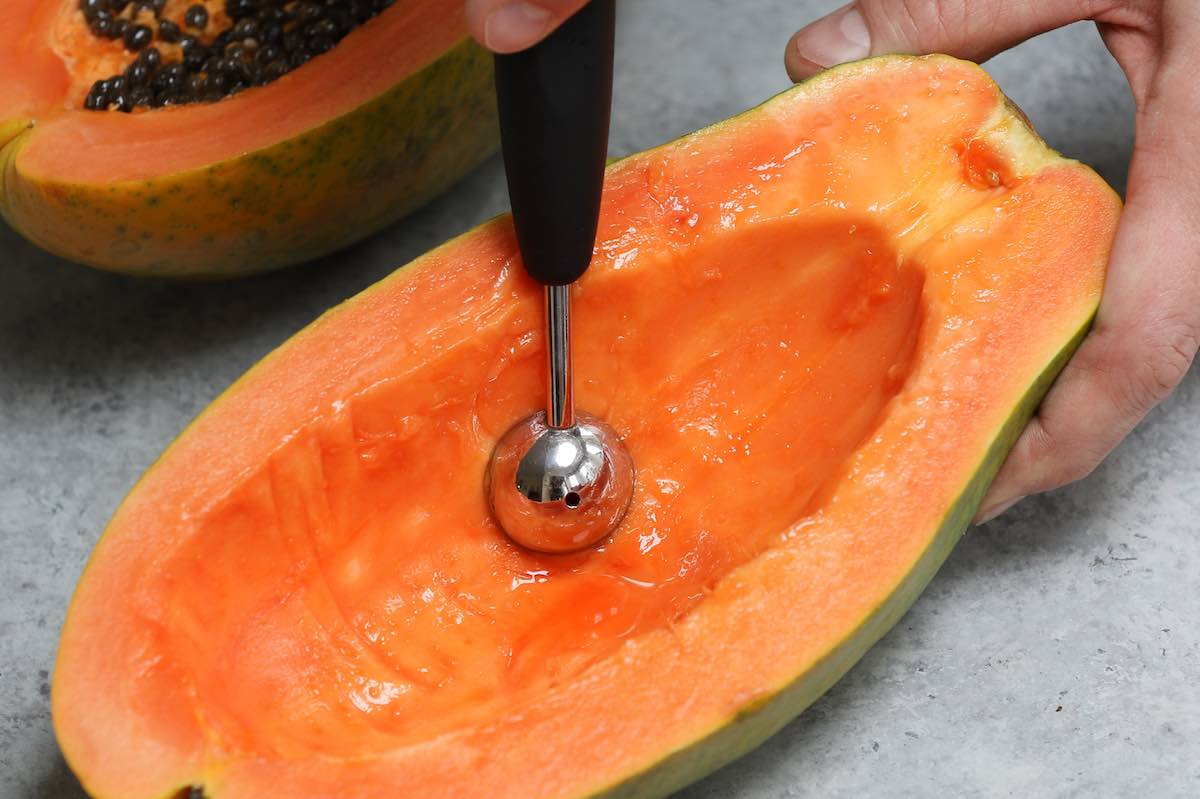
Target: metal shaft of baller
(560, 393)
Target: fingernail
(840, 37)
(515, 26)
(986, 516)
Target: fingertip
(995, 509)
(835, 39)
(514, 26)
(798, 67)
(508, 26)
(476, 12)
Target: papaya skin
(289, 202)
(751, 719)
(11, 130)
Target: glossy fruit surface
(818, 327)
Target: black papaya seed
(245, 28)
(319, 44)
(307, 11)
(151, 57)
(102, 25)
(170, 78)
(168, 31)
(194, 85)
(136, 73)
(237, 9)
(137, 37)
(275, 70)
(196, 17)
(267, 53)
(324, 27)
(271, 33)
(97, 97)
(92, 8)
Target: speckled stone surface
(1056, 654)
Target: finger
(506, 26)
(971, 29)
(1148, 326)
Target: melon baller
(559, 480)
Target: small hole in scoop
(572, 500)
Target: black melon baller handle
(554, 102)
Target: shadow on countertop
(58, 783)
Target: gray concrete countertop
(1056, 654)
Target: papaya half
(241, 149)
(818, 326)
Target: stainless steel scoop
(559, 480)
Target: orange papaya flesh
(818, 326)
(276, 174)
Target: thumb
(506, 26)
(971, 29)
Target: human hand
(506, 26)
(1148, 326)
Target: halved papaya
(332, 150)
(818, 326)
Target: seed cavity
(183, 60)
